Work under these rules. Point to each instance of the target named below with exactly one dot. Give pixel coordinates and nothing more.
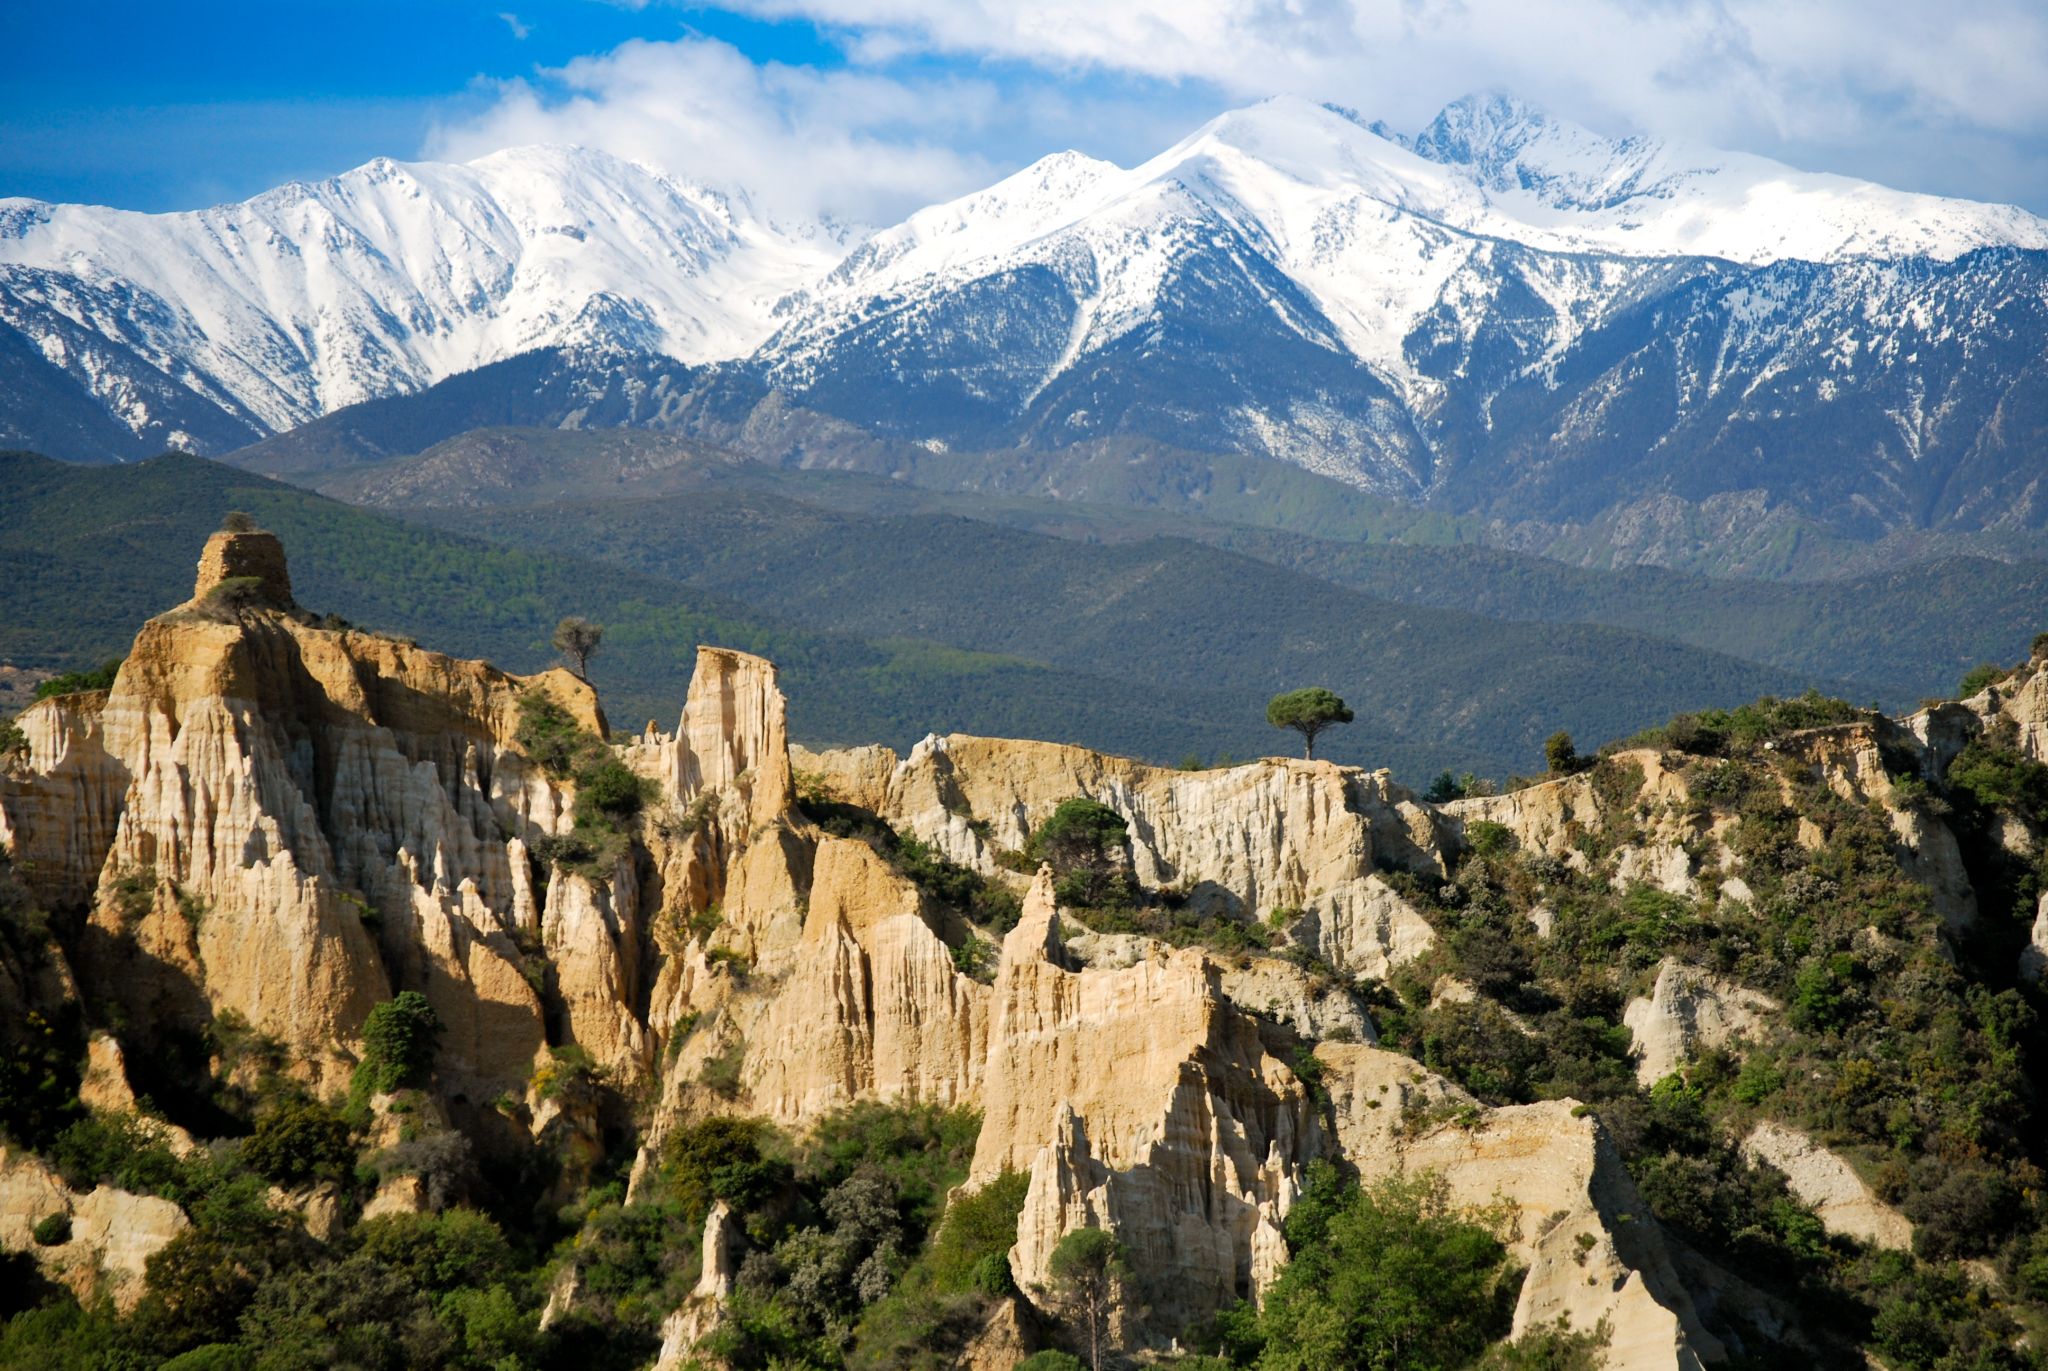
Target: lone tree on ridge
(577, 639)
(1560, 755)
(1308, 712)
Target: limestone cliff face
(867, 1004)
(60, 803)
(732, 743)
(292, 822)
(1273, 834)
(1675, 827)
(1138, 1101)
(1824, 1180)
(1551, 817)
(2021, 699)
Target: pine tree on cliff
(1308, 712)
(1086, 1269)
(577, 640)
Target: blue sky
(871, 107)
(155, 106)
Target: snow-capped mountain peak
(1490, 241)
(1572, 188)
(393, 275)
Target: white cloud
(943, 95)
(856, 144)
(520, 29)
(1862, 77)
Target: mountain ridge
(1528, 322)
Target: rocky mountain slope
(407, 969)
(386, 279)
(1503, 314)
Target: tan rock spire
(251, 555)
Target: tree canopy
(1382, 1276)
(577, 639)
(1308, 712)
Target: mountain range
(1501, 315)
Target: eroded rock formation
(292, 822)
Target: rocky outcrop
(733, 742)
(2021, 698)
(594, 937)
(307, 819)
(253, 559)
(1641, 791)
(112, 1233)
(1138, 1102)
(682, 1330)
(1365, 929)
(1851, 761)
(1573, 1215)
(104, 1088)
(1686, 1011)
(1824, 1180)
(61, 801)
(868, 1003)
(1240, 841)
(2034, 956)
(292, 822)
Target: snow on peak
(394, 275)
(1569, 187)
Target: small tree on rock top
(1308, 712)
(577, 640)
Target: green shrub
(609, 790)
(720, 1159)
(438, 1252)
(53, 1230)
(1967, 1212)
(1559, 1347)
(1052, 1361)
(550, 736)
(1759, 1079)
(134, 895)
(1991, 773)
(214, 1356)
(1979, 676)
(970, 1252)
(1560, 755)
(1484, 838)
(299, 1142)
(976, 958)
(570, 1072)
(1080, 833)
(353, 1313)
(39, 1075)
(119, 1150)
(1386, 1275)
(399, 1040)
(100, 677)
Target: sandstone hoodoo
(319, 939)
